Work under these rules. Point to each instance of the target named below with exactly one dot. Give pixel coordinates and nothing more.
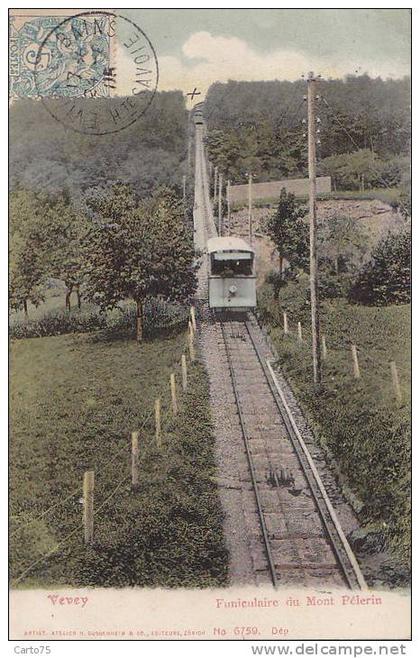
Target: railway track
(303, 542)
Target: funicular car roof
(228, 244)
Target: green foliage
(137, 249)
(386, 278)
(363, 169)
(28, 249)
(45, 156)
(46, 235)
(56, 323)
(256, 126)
(159, 318)
(342, 243)
(288, 231)
(66, 230)
(74, 402)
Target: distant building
(299, 186)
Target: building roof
(230, 243)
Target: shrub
(385, 279)
(279, 280)
(159, 316)
(332, 285)
(57, 323)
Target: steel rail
(266, 540)
(347, 563)
(346, 546)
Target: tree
(28, 252)
(263, 119)
(66, 229)
(289, 232)
(385, 279)
(46, 157)
(137, 249)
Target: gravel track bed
(241, 525)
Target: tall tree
(289, 232)
(27, 248)
(66, 228)
(137, 249)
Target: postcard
(210, 333)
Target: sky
(196, 47)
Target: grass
(387, 195)
(75, 399)
(54, 301)
(359, 422)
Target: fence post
(193, 320)
(134, 459)
(299, 331)
(395, 381)
(356, 369)
(184, 373)
(173, 394)
(88, 492)
(157, 423)
(324, 346)
(285, 323)
(191, 345)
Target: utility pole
(228, 206)
(189, 150)
(220, 202)
(250, 207)
(313, 259)
(191, 95)
(184, 187)
(215, 184)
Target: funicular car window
(231, 267)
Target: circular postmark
(96, 72)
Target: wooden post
(134, 459)
(184, 187)
(193, 320)
(139, 326)
(324, 347)
(220, 202)
(356, 369)
(299, 331)
(88, 492)
(313, 258)
(184, 373)
(215, 184)
(285, 323)
(250, 208)
(191, 345)
(395, 381)
(228, 206)
(157, 424)
(173, 394)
